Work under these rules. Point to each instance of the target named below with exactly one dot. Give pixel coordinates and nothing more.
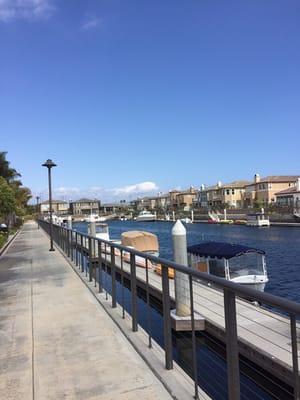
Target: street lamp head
(49, 164)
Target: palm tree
(8, 173)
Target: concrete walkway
(56, 341)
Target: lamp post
(50, 164)
(37, 210)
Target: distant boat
(146, 216)
(186, 220)
(94, 218)
(258, 219)
(213, 217)
(297, 215)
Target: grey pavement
(56, 341)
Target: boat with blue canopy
(235, 262)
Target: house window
(232, 191)
(228, 192)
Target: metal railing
(99, 258)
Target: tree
(7, 199)
(22, 196)
(15, 196)
(8, 173)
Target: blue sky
(171, 93)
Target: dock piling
(181, 280)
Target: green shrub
(3, 239)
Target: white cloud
(91, 22)
(66, 190)
(98, 192)
(25, 9)
(143, 187)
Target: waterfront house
(162, 201)
(201, 200)
(233, 193)
(59, 207)
(262, 191)
(145, 203)
(85, 206)
(229, 194)
(184, 199)
(122, 206)
(173, 198)
(289, 197)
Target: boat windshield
(246, 264)
(216, 267)
(102, 228)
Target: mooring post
(173, 213)
(92, 232)
(182, 295)
(192, 215)
(225, 214)
(69, 222)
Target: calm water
(281, 244)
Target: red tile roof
(290, 190)
(280, 178)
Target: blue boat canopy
(221, 250)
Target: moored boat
(186, 220)
(146, 216)
(240, 222)
(258, 219)
(233, 262)
(94, 217)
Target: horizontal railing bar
(243, 291)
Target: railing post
(113, 277)
(72, 246)
(68, 241)
(295, 356)
(64, 240)
(148, 307)
(90, 260)
(194, 346)
(232, 350)
(167, 318)
(133, 293)
(81, 253)
(100, 267)
(76, 250)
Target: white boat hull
(146, 218)
(257, 282)
(262, 222)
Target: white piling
(182, 289)
(92, 228)
(173, 213)
(92, 232)
(225, 214)
(69, 221)
(192, 215)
